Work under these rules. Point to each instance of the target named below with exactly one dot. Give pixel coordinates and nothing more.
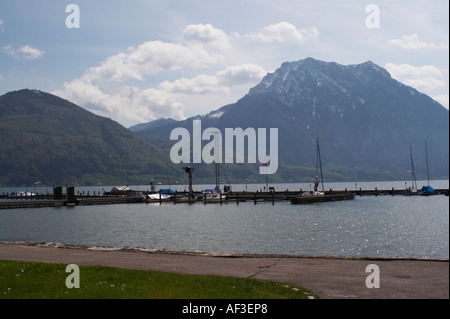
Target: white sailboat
(413, 189)
(317, 196)
(316, 191)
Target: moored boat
(427, 190)
(308, 199)
(317, 196)
(413, 189)
(21, 194)
(159, 197)
(213, 196)
(190, 198)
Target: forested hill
(53, 141)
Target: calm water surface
(383, 226)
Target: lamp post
(189, 170)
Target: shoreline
(329, 277)
(205, 253)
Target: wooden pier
(81, 200)
(59, 199)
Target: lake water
(369, 226)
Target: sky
(139, 60)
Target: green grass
(23, 280)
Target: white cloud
(425, 84)
(220, 82)
(122, 102)
(137, 105)
(1, 26)
(201, 84)
(206, 34)
(241, 74)
(443, 99)
(427, 77)
(283, 32)
(150, 58)
(25, 52)
(412, 42)
(105, 88)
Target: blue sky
(139, 60)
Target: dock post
(71, 199)
(392, 191)
(273, 198)
(376, 192)
(160, 201)
(254, 198)
(57, 192)
(237, 198)
(360, 193)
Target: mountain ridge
(365, 119)
(53, 141)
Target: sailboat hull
(309, 199)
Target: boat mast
(217, 157)
(126, 168)
(319, 166)
(217, 177)
(413, 171)
(426, 156)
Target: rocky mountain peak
(296, 79)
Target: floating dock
(59, 199)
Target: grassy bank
(22, 280)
